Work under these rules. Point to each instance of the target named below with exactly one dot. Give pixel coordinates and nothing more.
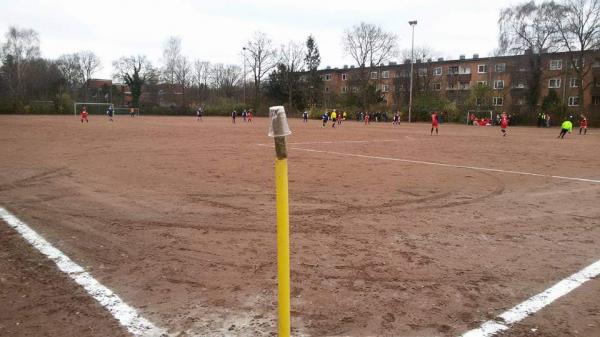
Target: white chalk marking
(342, 141)
(125, 314)
(449, 165)
(535, 303)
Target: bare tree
(135, 71)
(70, 67)
(225, 78)
(21, 47)
(262, 58)
(420, 53)
(171, 55)
(369, 46)
(528, 29)
(201, 75)
(183, 75)
(89, 64)
(578, 23)
(292, 57)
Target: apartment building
(507, 76)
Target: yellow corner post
(279, 130)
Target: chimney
(352, 66)
(429, 60)
(440, 59)
(392, 63)
(462, 57)
(328, 67)
(475, 56)
(418, 60)
(345, 66)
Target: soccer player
(396, 118)
(110, 112)
(434, 122)
(305, 116)
(249, 116)
(367, 118)
(567, 126)
(244, 114)
(199, 113)
(233, 116)
(131, 112)
(84, 114)
(333, 118)
(583, 124)
(324, 117)
(503, 123)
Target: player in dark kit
(110, 113)
(305, 116)
(434, 122)
(233, 116)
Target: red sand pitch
(177, 217)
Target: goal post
(479, 115)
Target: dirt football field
(393, 231)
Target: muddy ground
(178, 218)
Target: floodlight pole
(244, 55)
(412, 61)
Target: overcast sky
(217, 30)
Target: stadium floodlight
(412, 61)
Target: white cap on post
(279, 126)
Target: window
(344, 89)
(596, 100)
(385, 74)
(422, 71)
(478, 101)
(575, 63)
(596, 63)
(327, 77)
(354, 89)
(437, 71)
(464, 86)
(554, 83)
(464, 70)
(437, 86)
(481, 83)
(519, 84)
(451, 86)
(344, 77)
(482, 68)
(385, 88)
(574, 101)
(555, 64)
(499, 84)
(453, 70)
(500, 67)
(326, 89)
(497, 101)
(374, 75)
(574, 82)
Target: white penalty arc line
(450, 165)
(127, 316)
(535, 303)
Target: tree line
(269, 74)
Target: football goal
(131, 112)
(480, 117)
(92, 108)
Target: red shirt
(583, 122)
(434, 119)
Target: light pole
(412, 61)
(244, 53)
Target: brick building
(507, 76)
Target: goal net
(92, 108)
(132, 112)
(480, 117)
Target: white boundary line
(448, 165)
(343, 141)
(535, 303)
(125, 314)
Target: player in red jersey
(249, 116)
(366, 118)
(434, 122)
(503, 123)
(583, 124)
(84, 114)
